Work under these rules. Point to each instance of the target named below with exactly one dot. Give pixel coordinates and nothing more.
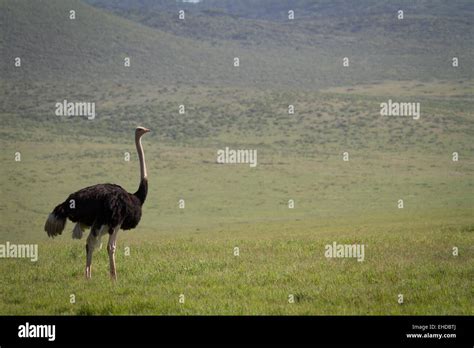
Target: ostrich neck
(141, 157)
(143, 188)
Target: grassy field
(190, 251)
(276, 259)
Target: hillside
(303, 54)
(191, 63)
(317, 9)
(93, 46)
(262, 22)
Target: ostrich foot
(88, 273)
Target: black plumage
(104, 204)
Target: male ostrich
(104, 208)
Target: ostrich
(104, 208)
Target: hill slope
(163, 51)
(93, 46)
(277, 10)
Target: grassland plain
(190, 251)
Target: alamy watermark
(65, 108)
(37, 331)
(230, 156)
(391, 108)
(27, 251)
(335, 250)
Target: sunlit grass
(190, 251)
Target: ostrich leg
(111, 246)
(92, 241)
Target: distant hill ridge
(165, 51)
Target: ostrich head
(139, 131)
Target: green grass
(190, 251)
(276, 259)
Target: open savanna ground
(190, 251)
(409, 256)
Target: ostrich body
(105, 208)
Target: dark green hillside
(278, 9)
(175, 62)
(425, 23)
(163, 51)
(93, 46)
